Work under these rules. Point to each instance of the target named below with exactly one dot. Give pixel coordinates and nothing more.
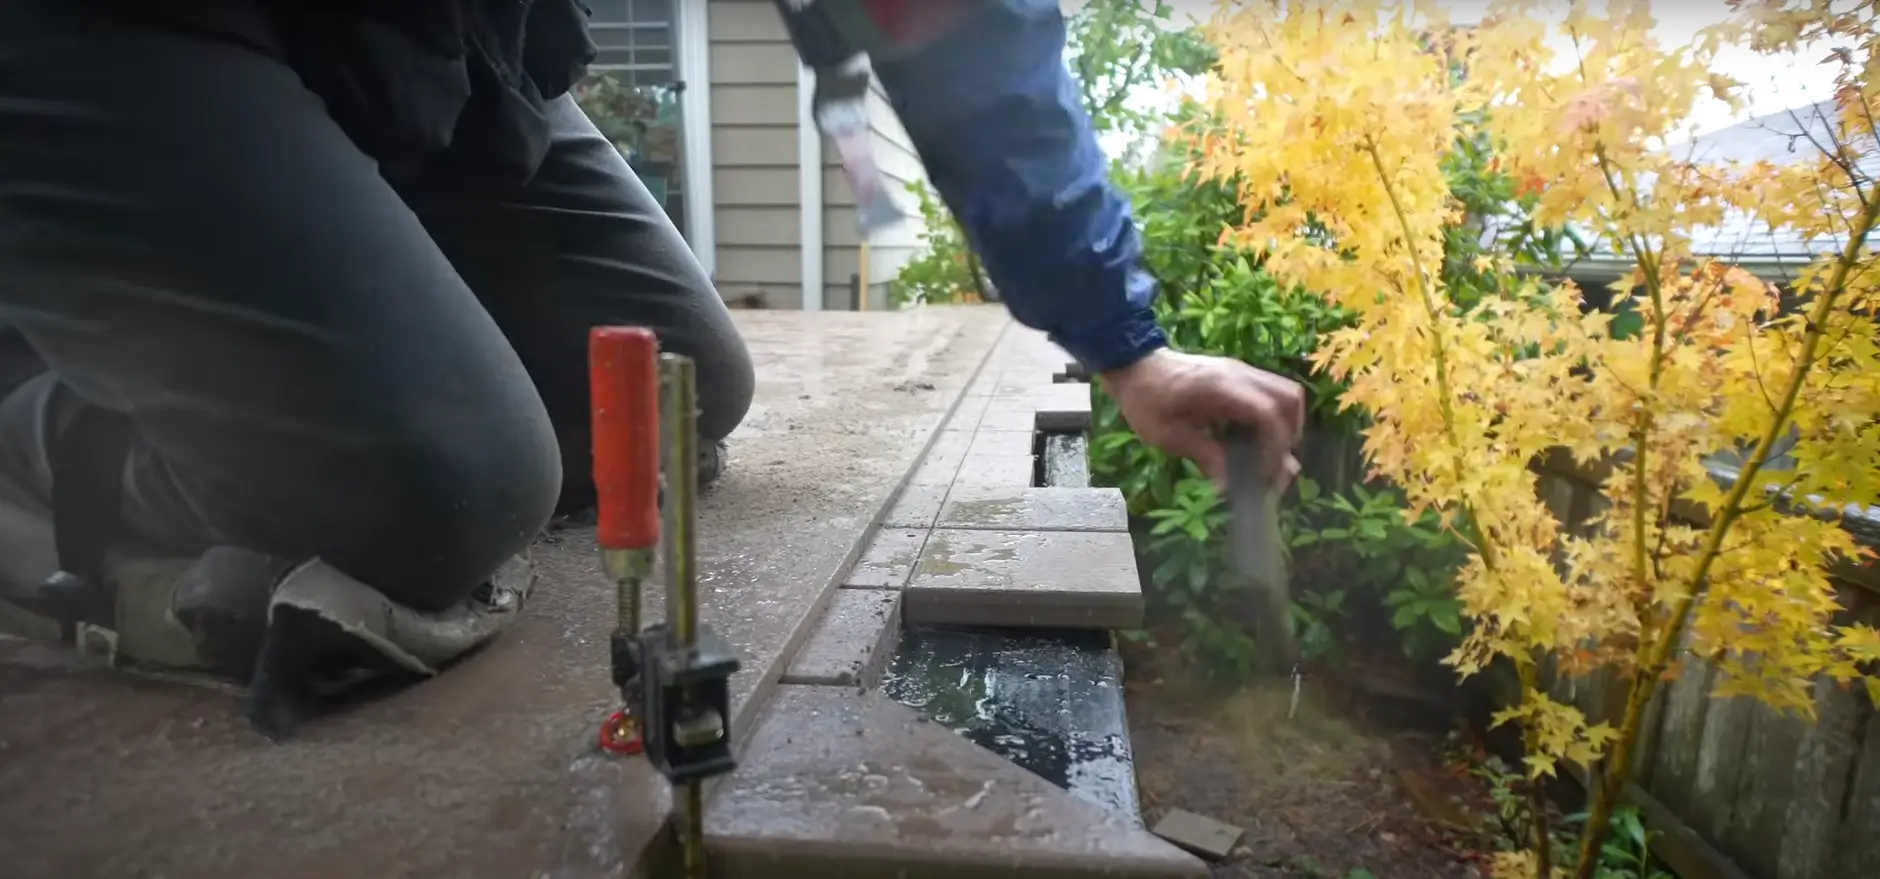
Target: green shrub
(1216, 299)
(946, 268)
(1360, 538)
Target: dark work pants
(316, 362)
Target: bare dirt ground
(1352, 781)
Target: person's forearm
(1001, 129)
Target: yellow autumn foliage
(1335, 115)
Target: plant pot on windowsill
(656, 175)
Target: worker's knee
(726, 382)
(447, 509)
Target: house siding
(755, 172)
(754, 154)
(890, 248)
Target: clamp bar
(680, 405)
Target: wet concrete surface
(998, 508)
(852, 644)
(490, 769)
(1070, 579)
(1049, 701)
(1021, 767)
(860, 787)
(1066, 459)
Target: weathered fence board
(1645, 750)
(1765, 790)
(1782, 797)
(1674, 774)
(1719, 764)
(1824, 769)
(1857, 843)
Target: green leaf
(1198, 578)
(1168, 570)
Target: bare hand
(1178, 402)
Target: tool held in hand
(1256, 550)
(674, 676)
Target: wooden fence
(1738, 789)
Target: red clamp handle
(623, 366)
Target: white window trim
(809, 152)
(692, 65)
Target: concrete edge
(749, 713)
(1021, 388)
(1063, 609)
(735, 856)
(836, 724)
(656, 852)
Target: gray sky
(1772, 83)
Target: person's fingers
(1211, 456)
(1291, 400)
(1240, 394)
(1254, 406)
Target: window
(636, 50)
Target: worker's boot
(711, 462)
(295, 634)
(292, 631)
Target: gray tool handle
(1256, 548)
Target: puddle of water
(1049, 700)
(1066, 459)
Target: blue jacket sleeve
(1000, 126)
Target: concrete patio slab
(889, 559)
(971, 410)
(943, 459)
(1026, 578)
(1010, 415)
(852, 642)
(993, 508)
(864, 788)
(1062, 406)
(917, 507)
(992, 443)
(490, 770)
(1011, 471)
